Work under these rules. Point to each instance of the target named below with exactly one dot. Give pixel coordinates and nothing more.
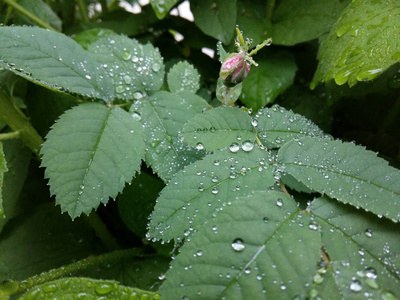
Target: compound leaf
(89, 155)
(135, 70)
(264, 83)
(361, 44)
(219, 128)
(183, 77)
(257, 245)
(216, 18)
(346, 172)
(275, 126)
(53, 60)
(162, 116)
(293, 23)
(197, 192)
(371, 260)
(75, 287)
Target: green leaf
(137, 202)
(264, 83)
(18, 158)
(89, 155)
(361, 44)
(43, 239)
(136, 70)
(87, 37)
(275, 126)
(346, 172)
(294, 23)
(203, 188)
(183, 77)
(372, 257)
(219, 128)
(253, 248)
(216, 18)
(162, 116)
(40, 9)
(3, 169)
(53, 60)
(162, 7)
(75, 287)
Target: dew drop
(137, 95)
(156, 67)
(355, 286)
(136, 116)
(199, 146)
(120, 89)
(368, 232)
(199, 253)
(238, 245)
(279, 202)
(254, 122)
(371, 273)
(247, 146)
(214, 190)
(126, 56)
(234, 147)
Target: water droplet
(238, 245)
(103, 288)
(368, 232)
(120, 89)
(199, 146)
(247, 146)
(161, 276)
(88, 77)
(355, 286)
(234, 147)
(265, 219)
(136, 116)
(216, 162)
(199, 253)
(279, 202)
(126, 56)
(135, 58)
(137, 95)
(156, 67)
(254, 122)
(313, 225)
(371, 273)
(127, 79)
(214, 190)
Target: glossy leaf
(294, 23)
(361, 44)
(89, 155)
(274, 75)
(75, 287)
(198, 192)
(183, 77)
(346, 172)
(135, 70)
(372, 258)
(258, 247)
(162, 7)
(275, 126)
(220, 128)
(216, 18)
(53, 60)
(162, 116)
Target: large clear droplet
(247, 146)
(234, 147)
(238, 245)
(355, 286)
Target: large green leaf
(203, 188)
(219, 128)
(40, 9)
(258, 247)
(275, 126)
(295, 22)
(75, 287)
(41, 240)
(364, 251)
(135, 70)
(216, 18)
(3, 169)
(346, 172)
(18, 158)
(162, 116)
(264, 83)
(162, 7)
(89, 155)
(362, 43)
(53, 60)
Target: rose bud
(234, 69)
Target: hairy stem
(28, 14)
(18, 122)
(83, 11)
(14, 287)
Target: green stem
(269, 9)
(101, 231)
(14, 287)
(9, 135)
(83, 10)
(104, 7)
(17, 121)
(28, 14)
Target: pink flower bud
(234, 69)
